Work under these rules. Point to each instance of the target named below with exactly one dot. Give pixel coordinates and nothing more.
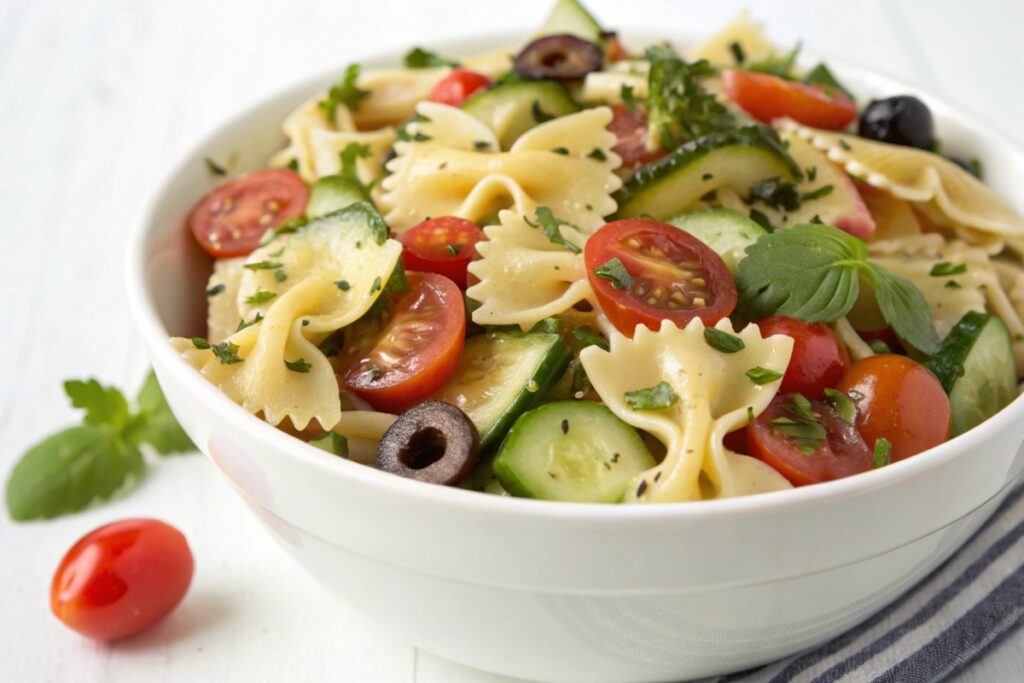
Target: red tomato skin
(819, 358)
(425, 247)
(398, 391)
(622, 308)
(456, 87)
(121, 578)
(843, 454)
(630, 129)
(900, 400)
(766, 98)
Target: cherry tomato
(630, 128)
(456, 87)
(674, 276)
(819, 358)
(900, 400)
(121, 578)
(443, 245)
(230, 219)
(412, 351)
(614, 50)
(767, 97)
(775, 440)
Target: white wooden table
(98, 98)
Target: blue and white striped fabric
(945, 622)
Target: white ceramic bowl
(569, 592)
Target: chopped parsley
(213, 167)
(375, 287)
(551, 226)
(678, 107)
(200, 343)
(481, 145)
(844, 406)
(762, 220)
(882, 455)
(454, 249)
(216, 289)
(614, 272)
(280, 275)
(418, 58)
(289, 226)
(801, 425)
(628, 99)
(707, 176)
(299, 365)
(343, 285)
(761, 375)
(812, 173)
(259, 297)
(588, 337)
(242, 324)
(344, 93)
(953, 284)
(598, 154)
(723, 341)
(263, 265)
(658, 397)
(822, 191)
(737, 52)
(226, 353)
(945, 269)
(844, 144)
(564, 151)
(778, 193)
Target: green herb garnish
(343, 285)
(882, 455)
(945, 269)
(213, 167)
(822, 191)
(343, 93)
(628, 99)
(614, 272)
(737, 52)
(564, 151)
(678, 107)
(216, 289)
(588, 337)
(418, 58)
(844, 406)
(539, 115)
(723, 341)
(260, 296)
(658, 397)
(778, 193)
(299, 365)
(761, 375)
(226, 353)
(242, 324)
(551, 226)
(263, 265)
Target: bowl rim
(155, 338)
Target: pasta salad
(576, 271)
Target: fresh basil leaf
(658, 397)
(679, 109)
(614, 272)
(69, 470)
(103, 406)
(904, 308)
(344, 93)
(157, 425)
(332, 442)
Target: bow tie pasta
(272, 365)
(715, 397)
(450, 167)
(524, 276)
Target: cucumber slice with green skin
(569, 16)
(511, 109)
(503, 374)
(976, 367)
(727, 232)
(735, 159)
(331, 193)
(576, 451)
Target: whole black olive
(901, 120)
(561, 57)
(433, 442)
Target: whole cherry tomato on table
(668, 275)
(767, 97)
(121, 578)
(818, 359)
(456, 87)
(899, 400)
(230, 219)
(444, 245)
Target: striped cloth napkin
(949, 619)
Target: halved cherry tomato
(674, 276)
(456, 87)
(767, 97)
(818, 359)
(443, 245)
(900, 400)
(614, 50)
(231, 218)
(412, 351)
(630, 127)
(121, 578)
(774, 439)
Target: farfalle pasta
(582, 270)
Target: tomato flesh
(766, 98)
(412, 351)
(122, 577)
(456, 87)
(443, 245)
(630, 129)
(841, 453)
(819, 358)
(899, 400)
(230, 219)
(674, 275)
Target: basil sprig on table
(813, 272)
(76, 466)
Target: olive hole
(426, 447)
(554, 59)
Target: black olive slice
(561, 57)
(900, 120)
(433, 442)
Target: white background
(97, 99)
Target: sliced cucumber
(513, 108)
(503, 374)
(727, 232)
(977, 369)
(331, 193)
(734, 159)
(569, 16)
(575, 451)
